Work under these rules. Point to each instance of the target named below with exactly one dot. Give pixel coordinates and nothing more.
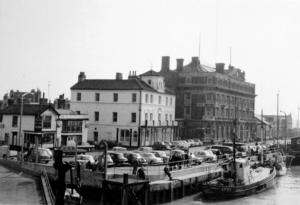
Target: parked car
(206, 155)
(100, 161)
(180, 145)
(145, 149)
(133, 157)
(162, 155)
(119, 149)
(118, 158)
(191, 142)
(84, 159)
(43, 155)
(169, 144)
(195, 159)
(151, 158)
(198, 142)
(71, 151)
(4, 149)
(161, 146)
(218, 153)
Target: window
(47, 122)
(146, 98)
(167, 101)
(115, 97)
(78, 112)
(146, 116)
(1, 118)
(97, 97)
(151, 98)
(151, 117)
(15, 121)
(171, 117)
(188, 96)
(133, 97)
(159, 117)
(115, 116)
(71, 126)
(159, 99)
(133, 117)
(135, 136)
(78, 97)
(166, 117)
(149, 82)
(96, 116)
(95, 136)
(171, 100)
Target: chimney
(179, 66)
(220, 67)
(119, 76)
(81, 77)
(195, 61)
(165, 64)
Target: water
(285, 191)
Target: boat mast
(277, 120)
(234, 135)
(262, 137)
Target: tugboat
(239, 178)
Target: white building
(41, 124)
(135, 112)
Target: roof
(194, 67)
(69, 115)
(258, 118)
(28, 109)
(151, 73)
(105, 84)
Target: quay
(157, 185)
(16, 187)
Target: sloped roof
(151, 73)
(196, 67)
(104, 84)
(264, 121)
(28, 109)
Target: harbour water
(285, 191)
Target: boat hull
(216, 191)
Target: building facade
(284, 125)
(209, 99)
(134, 112)
(41, 124)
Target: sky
(45, 44)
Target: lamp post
(20, 127)
(285, 128)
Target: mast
(277, 119)
(262, 137)
(234, 135)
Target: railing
(48, 193)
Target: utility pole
(298, 123)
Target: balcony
(158, 123)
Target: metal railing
(48, 193)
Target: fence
(48, 193)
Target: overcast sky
(52, 41)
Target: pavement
(19, 188)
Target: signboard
(38, 122)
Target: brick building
(208, 99)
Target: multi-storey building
(41, 124)
(61, 102)
(135, 112)
(209, 99)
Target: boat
(247, 180)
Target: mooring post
(146, 194)
(171, 191)
(182, 188)
(124, 192)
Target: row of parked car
(181, 144)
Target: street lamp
(285, 128)
(20, 127)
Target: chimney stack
(179, 66)
(220, 67)
(165, 64)
(81, 77)
(195, 61)
(119, 76)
